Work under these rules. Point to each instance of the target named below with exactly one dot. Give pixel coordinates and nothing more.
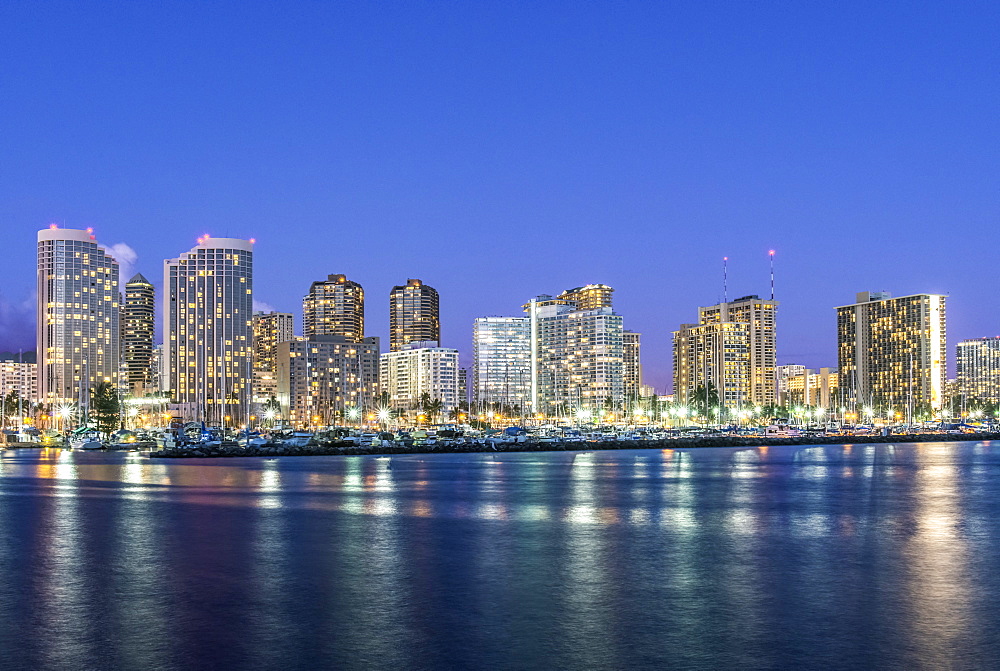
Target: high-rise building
(576, 357)
(19, 378)
(327, 379)
(414, 315)
(501, 367)
(785, 373)
(335, 307)
(138, 329)
(207, 306)
(590, 297)
(633, 365)
(713, 357)
(891, 351)
(759, 316)
(407, 374)
(269, 329)
(977, 364)
(78, 329)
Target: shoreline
(578, 446)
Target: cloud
(17, 323)
(261, 306)
(126, 258)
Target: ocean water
(827, 557)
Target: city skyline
(634, 148)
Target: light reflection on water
(865, 556)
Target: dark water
(832, 557)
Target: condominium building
(977, 364)
(20, 379)
(407, 374)
(783, 374)
(207, 307)
(414, 315)
(78, 330)
(269, 329)
(891, 351)
(589, 297)
(138, 329)
(577, 356)
(632, 364)
(759, 316)
(712, 358)
(816, 388)
(501, 361)
(327, 379)
(334, 306)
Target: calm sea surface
(831, 557)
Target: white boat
(86, 440)
(298, 439)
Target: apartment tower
(334, 307)
(138, 329)
(414, 315)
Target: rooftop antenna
(725, 279)
(771, 254)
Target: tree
(105, 407)
(704, 398)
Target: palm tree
(704, 398)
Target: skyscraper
(269, 329)
(414, 315)
(335, 307)
(207, 306)
(633, 365)
(713, 357)
(501, 369)
(78, 332)
(576, 357)
(891, 351)
(977, 366)
(407, 374)
(138, 328)
(759, 316)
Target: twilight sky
(498, 150)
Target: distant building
(138, 329)
(463, 386)
(632, 364)
(817, 388)
(784, 373)
(407, 374)
(977, 364)
(414, 315)
(577, 362)
(501, 355)
(19, 378)
(269, 329)
(589, 297)
(336, 307)
(758, 315)
(207, 306)
(327, 380)
(78, 329)
(891, 351)
(713, 357)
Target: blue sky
(498, 150)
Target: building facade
(414, 315)
(501, 362)
(207, 307)
(589, 297)
(334, 307)
(269, 329)
(407, 374)
(759, 315)
(713, 357)
(891, 351)
(977, 365)
(327, 380)
(577, 357)
(632, 364)
(78, 329)
(20, 379)
(138, 329)
(813, 388)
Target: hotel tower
(334, 307)
(138, 314)
(78, 311)
(414, 315)
(891, 351)
(207, 307)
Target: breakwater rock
(348, 449)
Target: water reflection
(768, 558)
